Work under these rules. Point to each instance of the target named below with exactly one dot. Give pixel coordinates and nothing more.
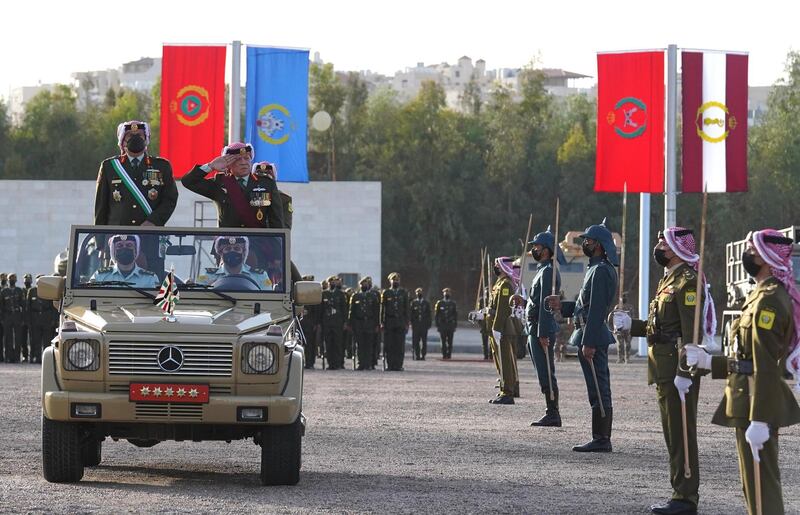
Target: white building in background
(18, 97)
(140, 75)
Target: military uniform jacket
(541, 321)
(363, 312)
(446, 315)
(12, 302)
(500, 309)
(670, 323)
(421, 314)
(394, 308)
(115, 205)
(257, 187)
(40, 311)
(762, 335)
(593, 305)
(286, 200)
(334, 308)
(138, 277)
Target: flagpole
(671, 177)
(235, 114)
(644, 262)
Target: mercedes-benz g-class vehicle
(184, 334)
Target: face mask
(365, 288)
(232, 259)
(27, 284)
(537, 255)
(749, 263)
(12, 283)
(125, 256)
(447, 297)
(419, 296)
(395, 284)
(135, 144)
(660, 255)
(588, 250)
(497, 272)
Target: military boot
(516, 390)
(601, 433)
(552, 417)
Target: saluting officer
(362, 317)
(757, 400)
(420, 323)
(446, 321)
(334, 317)
(504, 330)
(12, 304)
(591, 334)
(542, 326)
(668, 328)
(40, 314)
(394, 321)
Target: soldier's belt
(740, 366)
(663, 338)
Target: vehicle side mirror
(50, 287)
(307, 293)
(181, 250)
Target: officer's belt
(740, 366)
(663, 338)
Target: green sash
(131, 187)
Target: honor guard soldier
(124, 249)
(243, 198)
(542, 326)
(504, 331)
(334, 317)
(668, 328)
(309, 321)
(591, 335)
(27, 284)
(233, 251)
(12, 305)
(362, 317)
(420, 323)
(622, 336)
(446, 321)
(40, 315)
(757, 401)
(348, 331)
(375, 292)
(394, 322)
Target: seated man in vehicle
(124, 249)
(233, 252)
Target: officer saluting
(668, 327)
(757, 400)
(591, 334)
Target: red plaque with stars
(169, 392)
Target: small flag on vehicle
(168, 294)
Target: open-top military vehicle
(225, 363)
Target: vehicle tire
(62, 460)
(92, 452)
(280, 454)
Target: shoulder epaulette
(147, 272)
(104, 270)
(257, 271)
(211, 270)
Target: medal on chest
(117, 196)
(152, 194)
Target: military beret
(235, 149)
(393, 276)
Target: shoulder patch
(766, 319)
(505, 291)
(690, 298)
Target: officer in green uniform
(362, 317)
(271, 170)
(420, 323)
(124, 250)
(234, 251)
(377, 337)
(394, 321)
(446, 321)
(40, 315)
(591, 334)
(334, 317)
(757, 400)
(309, 321)
(348, 331)
(668, 327)
(27, 284)
(12, 305)
(503, 336)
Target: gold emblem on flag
(711, 124)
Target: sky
(45, 41)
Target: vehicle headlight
(259, 358)
(83, 355)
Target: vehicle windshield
(221, 261)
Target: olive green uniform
(12, 304)
(503, 352)
(756, 389)
(363, 319)
(40, 315)
(669, 325)
(446, 321)
(334, 313)
(395, 320)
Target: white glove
(496, 335)
(757, 433)
(622, 321)
(697, 356)
(479, 315)
(682, 384)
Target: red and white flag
(714, 121)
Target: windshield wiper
(128, 285)
(206, 287)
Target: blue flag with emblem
(277, 107)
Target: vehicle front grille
(169, 411)
(141, 358)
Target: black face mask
(135, 144)
(749, 263)
(27, 284)
(364, 288)
(419, 296)
(537, 254)
(395, 284)
(447, 297)
(588, 249)
(12, 283)
(497, 272)
(124, 256)
(660, 255)
(232, 259)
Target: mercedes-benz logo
(170, 358)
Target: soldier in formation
(334, 318)
(420, 323)
(12, 311)
(394, 322)
(309, 322)
(446, 321)
(42, 319)
(362, 318)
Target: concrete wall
(336, 225)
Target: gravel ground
(420, 441)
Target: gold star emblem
(169, 392)
(181, 392)
(243, 150)
(193, 392)
(134, 126)
(145, 391)
(157, 392)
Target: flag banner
(714, 121)
(277, 109)
(630, 122)
(192, 105)
(168, 294)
